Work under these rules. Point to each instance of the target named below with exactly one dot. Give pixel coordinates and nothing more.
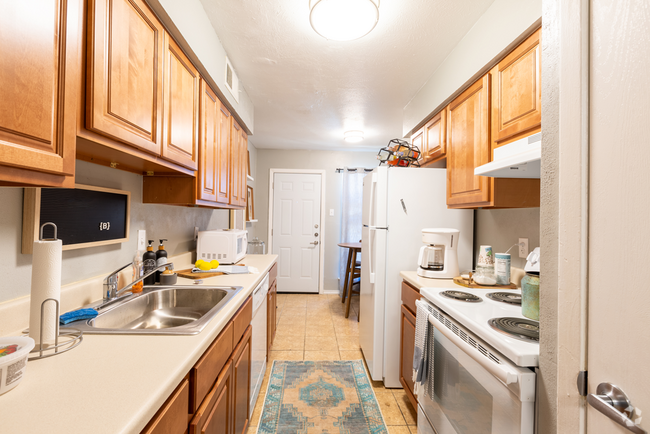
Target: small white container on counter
(13, 360)
(502, 267)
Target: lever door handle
(611, 401)
(314, 243)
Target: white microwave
(228, 246)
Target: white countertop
(424, 282)
(516, 274)
(115, 383)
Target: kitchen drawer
(273, 274)
(206, 370)
(173, 416)
(409, 295)
(242, 320)
(407, 348)
(215, 414)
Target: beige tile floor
(314, 327)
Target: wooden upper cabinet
(244, 167)
(468, 146)
(39, 75)
(417, 139)
(181, 107)
(517, 92)
(214, 153)
(208, 144)
(435, 137)
(124, 98)
(235, 165)
(224, 156)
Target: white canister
(485, 257)
(502, 268)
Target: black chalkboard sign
(85, 216)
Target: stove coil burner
(518, 328)
(462, 296)
(505, 297)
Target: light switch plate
(523, 247)
(331, 213)
(196, 233)
(142, 239)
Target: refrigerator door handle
(372, 233)
(373, 201)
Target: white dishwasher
(258, 340)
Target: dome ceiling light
(343, 20)
(353, 136)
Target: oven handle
(503, 372)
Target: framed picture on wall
(250, 205)
(249, 163)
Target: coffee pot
(438, 259)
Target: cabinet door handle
(611, 401)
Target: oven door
(473, 394)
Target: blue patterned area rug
(320, 397)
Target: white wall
(190, 19)
(491, 37)
(160, 221)
(501, 228)
(316, 160)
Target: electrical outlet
(523, 247)
(142, 239)
(331, 213)
(196, 233)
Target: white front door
(296, 230)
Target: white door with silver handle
(296, 215)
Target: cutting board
(189, 275)
(462, 282)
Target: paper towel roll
(46, 283)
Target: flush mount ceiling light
(353, 136)
(343, 20)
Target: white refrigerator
(397, 204)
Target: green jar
(530, 296)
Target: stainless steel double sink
(160, 310)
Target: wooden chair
(352, 272)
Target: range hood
(520, 159)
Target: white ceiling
(307, 91)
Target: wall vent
(232, 82)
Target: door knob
(611, 401)
(314, 243)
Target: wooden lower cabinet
(215, 415)
(214, 398)
(173, 416)
(272, 306)
(241, 360)
(407, 340)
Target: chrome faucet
(111, 281)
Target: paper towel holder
(73, 337)
(41, 232)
